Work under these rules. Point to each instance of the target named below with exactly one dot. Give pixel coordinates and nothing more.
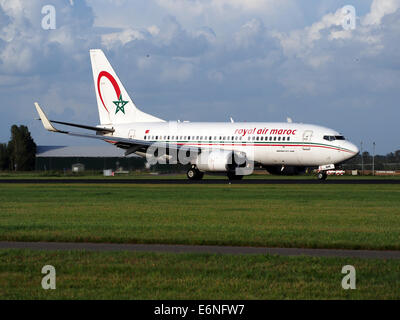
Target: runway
(205, 181)
(170, 248)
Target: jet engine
(220, 160)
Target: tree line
(20, 152)
(390, 161)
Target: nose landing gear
(322, 171)
(322, 175)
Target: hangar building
(91, 157)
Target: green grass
(124, 275)
(313, 216)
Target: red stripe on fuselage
(264, 145)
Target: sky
(207, 60)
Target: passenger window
(274, 138)
(270, 138)
(288, 138)
(279, 138)
(262, 138)
(283, 138)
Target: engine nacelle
(220, 160)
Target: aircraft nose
(355, 149)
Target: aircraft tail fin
(113, 101)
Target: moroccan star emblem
(120, 104)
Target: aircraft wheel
(322, 176)
(194, 174)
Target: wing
(106, 134)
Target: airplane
(233, 148)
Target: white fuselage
(267, 143)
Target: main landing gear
(194, 173)
(232, 176)
(322, 175)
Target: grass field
(123, 275)
(313, 216)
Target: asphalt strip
(170, 248)
(205, 181)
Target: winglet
(46, 123)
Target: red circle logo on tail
(113, 82)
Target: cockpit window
(333, 138)
(329, 138)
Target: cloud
(43, 65)
(26, 47)
(314, 43)
(176, 72)
(199, 7)
(170, 39)
(114, 39)
(204, 60)
(379, 9)
(303, 43)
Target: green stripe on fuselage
(252, 142)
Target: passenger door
(131, 134)
(306, 139)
